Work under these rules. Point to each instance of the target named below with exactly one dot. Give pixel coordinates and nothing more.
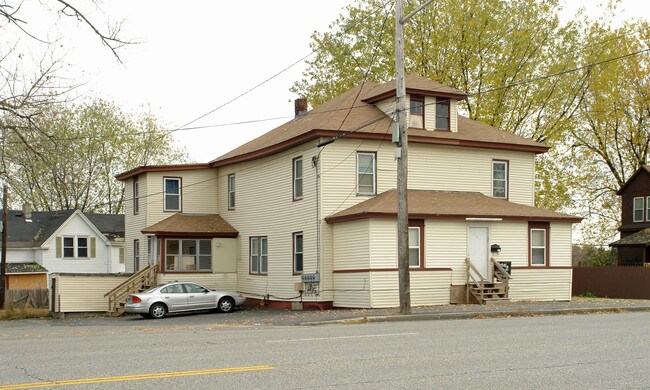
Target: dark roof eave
(414, 91)
(318, 133)
(160, 168)
(192, 234)
(365, 215)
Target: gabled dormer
(635, 202)
(432, 106)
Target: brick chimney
(301, 107)
(27, 212)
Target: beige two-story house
(307, 212)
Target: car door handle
(191, 296)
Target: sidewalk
(578, 305)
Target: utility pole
(401, 153)
(3, 263)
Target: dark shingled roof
(23, 234)
(640, 238)
(25, 268)
(204, 225)
(448, 204)
(111, 225)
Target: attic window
(416, 117)
(442, 115)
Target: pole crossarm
(405, 19)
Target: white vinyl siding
(638, 209)
(84, 293)
(352, 249)
(542, 284)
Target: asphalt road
(606, 351)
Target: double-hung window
(188, 255)
(416, 112)
(500, 179)
(538, 240)
(638, 209)
(231, 191)
(75, 247)
(136, 255)
(647, 208)
(259, 258)
(297, 178)
(414, 247)
(297, 253)
(172, 195)
(136, 196)
(366, 173)
(442, 115)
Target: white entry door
(477, 248)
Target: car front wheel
(158, 310)
(226, 305)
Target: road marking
(105, 379)
(342, 337)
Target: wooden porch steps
(138, 282)
(485, 291)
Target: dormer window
(442, 115)
(416, 117)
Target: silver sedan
(181, 297)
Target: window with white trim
(500, 179)
(297, 253)
(188, 255)
(231, 191)
(75, 247)
(638, 209)
(297, 178)
(366, 173)
(414, 247)
(136, 255)
(538, 246)
(259, 259)
(442, 115)
(172, 195)
(647, 208)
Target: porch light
(495, 248)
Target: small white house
(69, 241)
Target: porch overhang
(192, 225)
(638, 239)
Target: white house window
(136, 255)
(442, 115)
(414, 247)
(416, 117)
(366, 173)
(172, 196)
(500, 179)
(121, 254)
(188, 255)
(297, 178)
(136, 197)
(538, 246)
(297, 253)
(638, 209)
(75, 247)
(647, 210)
(231, 191)
(259, 255)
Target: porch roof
(640, 238)
(196, 225)
(425, 204)
(25, 268)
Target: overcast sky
(196, 55)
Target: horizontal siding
(264, 206)
(560, 252)
(352, 290)
(383, 239)
(133, 224)
(446, 247)
(541, 284)
(427, 288)
(512, 237)
(85, 293)
(198, 193)
(352, 249)
(221, 281)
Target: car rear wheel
(158, 310)
(226, 305)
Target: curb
(478, 315)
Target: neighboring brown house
(634, 245)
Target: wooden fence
(612, 282)
(35, 298)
